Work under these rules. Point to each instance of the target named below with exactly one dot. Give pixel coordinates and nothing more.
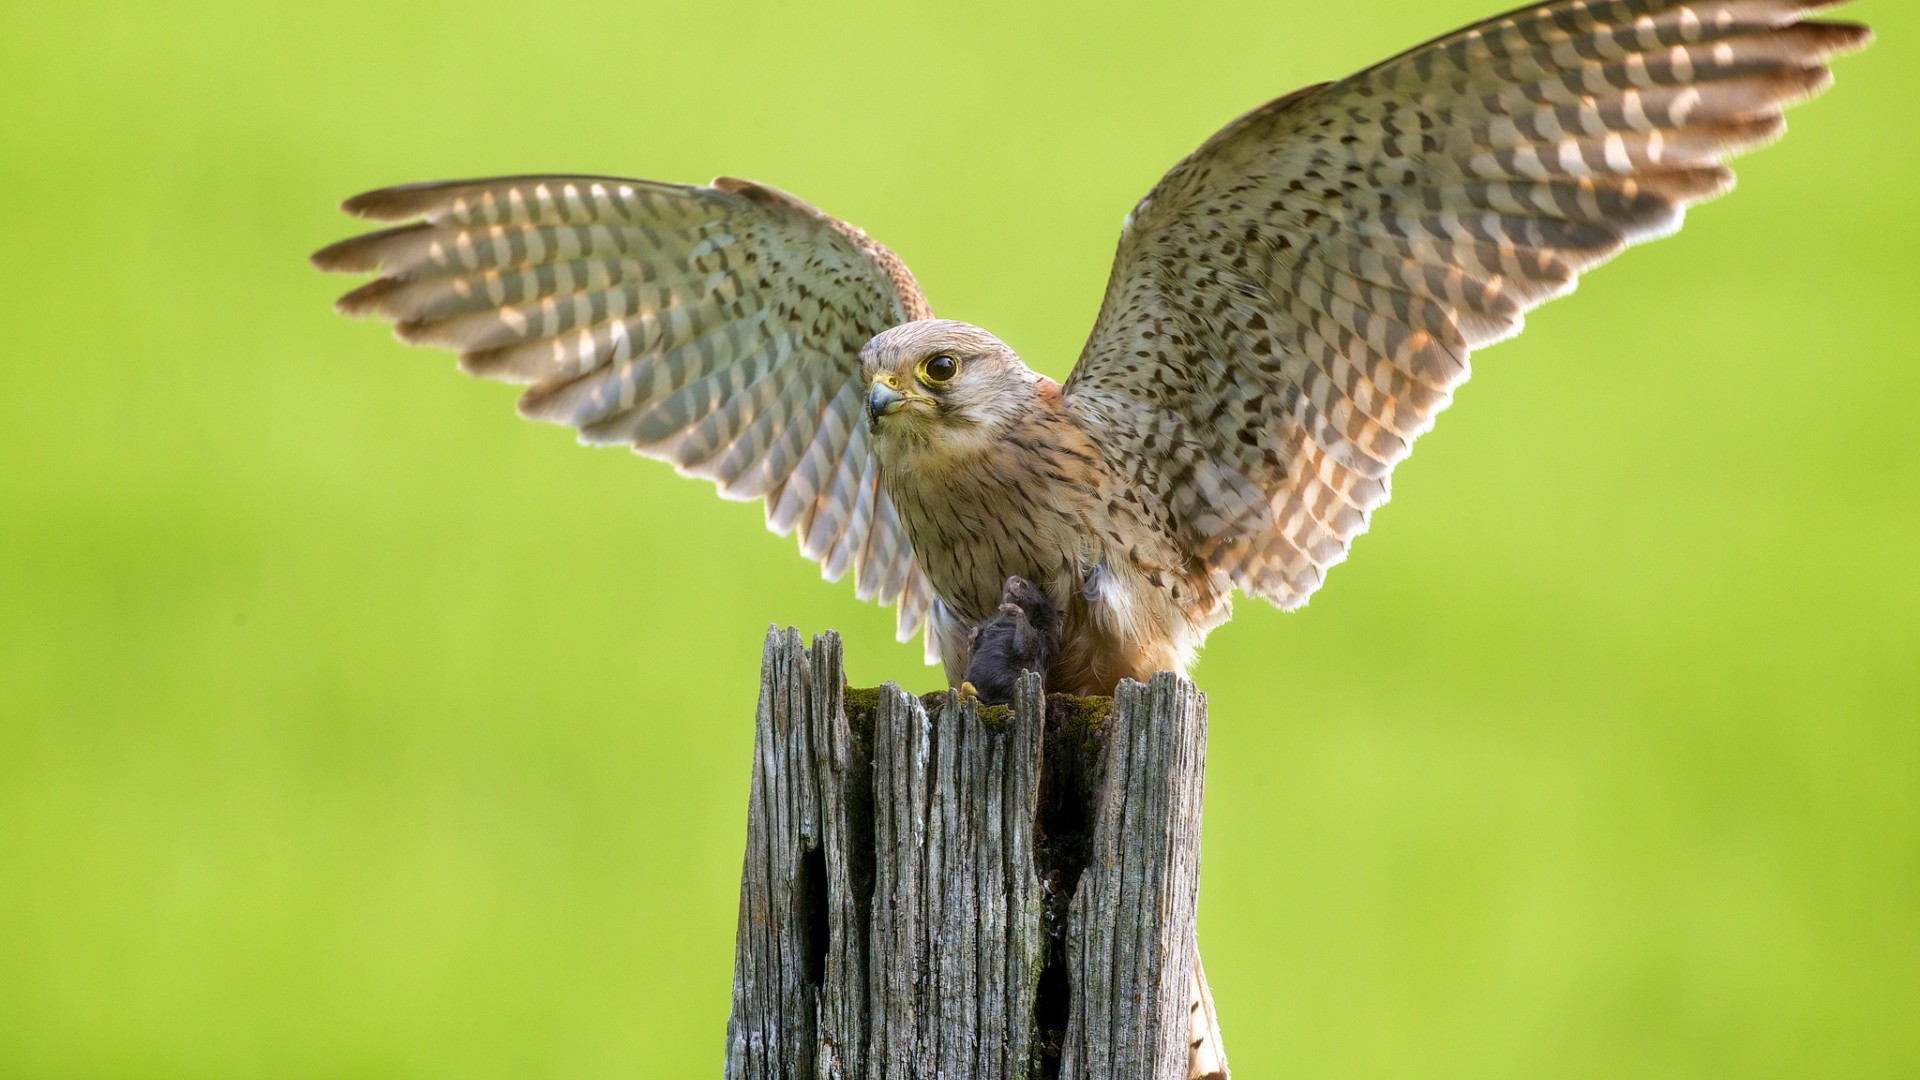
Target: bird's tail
(1206, 1054)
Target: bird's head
(942, 385)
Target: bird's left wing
(718, 328)
(1296, 301)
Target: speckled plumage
(1289, 308)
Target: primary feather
(1289, 309)
(717, 328)
(1297, 301)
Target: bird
(1288, 309)
(1021, 638)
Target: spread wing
(718, 328)
(1294, 303)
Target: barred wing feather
(717, 328)
(1295, 302)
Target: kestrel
(1288, 309)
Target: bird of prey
(1289, 308)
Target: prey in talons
(1022, 636)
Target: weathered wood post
(936, 890)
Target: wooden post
(936, 890)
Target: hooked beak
(884, 398)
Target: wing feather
(717, 328)
(1308, 287)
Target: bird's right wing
(718, 328)
(1296, 301)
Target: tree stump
(933, 889)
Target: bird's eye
(939, 369)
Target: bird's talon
(967, 690)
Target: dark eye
(940, 369)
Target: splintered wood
(935, 890)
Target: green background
(354, 728)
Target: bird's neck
(1019, 504)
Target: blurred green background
(351, 727)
